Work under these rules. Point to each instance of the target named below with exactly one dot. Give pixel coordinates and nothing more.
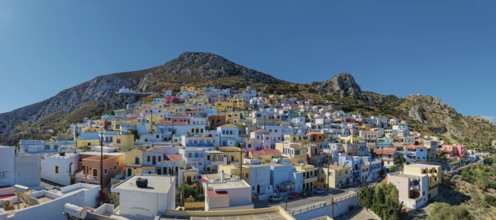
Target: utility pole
(332, 207)
(101, 160)
(241, 160)
(328, 169)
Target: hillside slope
(92, 98)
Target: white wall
(90, 194)
(52, 210)
(140, 205)
(63, 177)
(7, 159)
(27, 170)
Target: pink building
(170, 99)
(456, 150)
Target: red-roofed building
(455, 150)
(264, 155)
(387, 155)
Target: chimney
(222, 176)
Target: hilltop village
(225, 152)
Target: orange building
(113, 166)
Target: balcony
(310, 179)
(81, 177)
(222, 161)
(414, 194)
(133, 165)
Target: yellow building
(238, 103)
(432, 171)
(197, 100)
(296, 152)
(235, 170)
(350, 140)
(190, 176)
(134, 161)
(93, 129)
(87, 143)
(232, 153)
(123, 141)
(337, 176)
(224, 106)
(310, 176)
(233, 117)
(295, 138)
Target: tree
(188, 190)
(447, 212)
(488, 160)
(366, 197)
(385, 202)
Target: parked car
(293, 195)
(275, 198)
(320, 191)
(307, 193)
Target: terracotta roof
(414, 147)
(204, 180)
(175, 123)
(173, 157)
(387, 151)
(265, 152)
(218, 194)
(314, 133)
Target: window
(3, 175)
(56, 169)
(106, 171)
(47, 147)
(148, 158)
(115, 167)
(159, 158)
(118, 141)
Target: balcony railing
(86, 178)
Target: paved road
(303, 202)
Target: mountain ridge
(97, 96)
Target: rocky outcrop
(100, 90)
(417, 114)
(441, 118)
(342, 85)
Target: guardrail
(315, 206)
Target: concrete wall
(27, 170)
(260, 176)
(138, 205)
(7, 166)
(90, 194)
(52, 210)
(324, 210)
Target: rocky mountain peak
(342, 85)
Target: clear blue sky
(441, 48)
